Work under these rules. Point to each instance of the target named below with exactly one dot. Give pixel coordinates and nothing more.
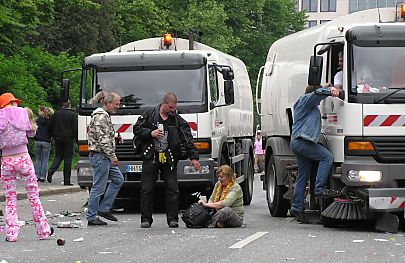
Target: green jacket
(233, 199)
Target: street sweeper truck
(365, 131)
(214, 97)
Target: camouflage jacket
(101, 133)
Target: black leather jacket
(179, 135)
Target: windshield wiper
(187, 101)
(389, 94)
(136, 105)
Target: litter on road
(60, 241)
(80, 239)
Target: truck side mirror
(229, 93)
(64, 90)
(315, 71)
(227, 73)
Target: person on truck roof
(306, 130)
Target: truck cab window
(336, 66)
(369, 75)
(146, 87)
(213, 82)
(89, 92)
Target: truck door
(331, 107)
(218, 122)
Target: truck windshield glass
(377, 70)
(140, 88)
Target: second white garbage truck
(365, 132)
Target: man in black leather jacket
(162, 131)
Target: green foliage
(33, 75)
(141, 19)
(208, 17)
(15, 77)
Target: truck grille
(389, 149)
(125, 151)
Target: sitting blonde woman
(226, 199)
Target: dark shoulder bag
(196, 216)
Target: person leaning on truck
(162, 132)
(103, 161)
(306, 130)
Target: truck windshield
(146, 88)
(377, 70)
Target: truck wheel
(247, 185)
(277, 204)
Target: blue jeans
(307, 152)
(103, 170)
(42, 150)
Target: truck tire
(277, 204)
(247, 185)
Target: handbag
(196, 216)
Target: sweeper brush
(345, 209)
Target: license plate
(133, 168)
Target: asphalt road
(272, 239)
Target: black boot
(49, 176)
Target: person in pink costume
(15, 126)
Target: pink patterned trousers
(22, 165)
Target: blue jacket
(307, 117)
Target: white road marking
(247, 240)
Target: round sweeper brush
(345, 209)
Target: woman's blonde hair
(227, 171)
(31, 116)
(49, 112)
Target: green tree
(19, 21)
(208, 17)
(80, 26)
(141, 19)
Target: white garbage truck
(214, 97)
(365, 131)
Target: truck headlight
(204, 169)
(364, 176)
(85, 172)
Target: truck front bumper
(186, 177)
(385, 195)
(386, 199)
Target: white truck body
(373, 39)
(141, 72)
